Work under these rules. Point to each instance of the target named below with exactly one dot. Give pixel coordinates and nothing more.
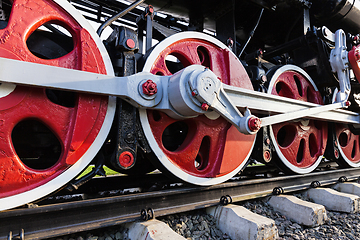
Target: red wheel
(347, 142)
(48, 137)
(299, 144)
(349, 146)
(207, 149)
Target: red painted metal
(211, 148)
(149, 88)
(126, 159)
(301, 142)
(75, 127)
(267, 156)
(354, 59)
(348, 142)
(204, 106)
(254, 124)
(130, 43)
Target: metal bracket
(315, 184)
(225, 200)
(343, 179)
(147, 214)
(21, 235)
(340, 64)
(278, 190)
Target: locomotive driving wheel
(48, 137)
(299, 144)
(349, 146)
(204, 150)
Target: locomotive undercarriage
(197, 107)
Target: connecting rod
(188, 93)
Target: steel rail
(65, 218)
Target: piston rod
(181, 95)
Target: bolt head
(149, 88)
(205, 106)
(267, 156)
(126, 159)
(254, 124)
(130, 43)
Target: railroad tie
(152, 230)
(240, 223)
(348, 187)
(303, 212)
(334, 200)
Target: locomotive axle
(181, 95)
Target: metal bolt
(254, 124)
(336, 154)
(263, 78)
(230, 42)
(130, 43)
(149, 88)
(205, 106)
(267, 156)
(194, 93)
(126, 159)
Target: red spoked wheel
(207, 149)
(347, 151)
(48, 137)
(299, 144)
(349, 146)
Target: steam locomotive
(196, 89)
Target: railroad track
(51, 220)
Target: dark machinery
(196, 89)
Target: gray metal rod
(117, 16)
